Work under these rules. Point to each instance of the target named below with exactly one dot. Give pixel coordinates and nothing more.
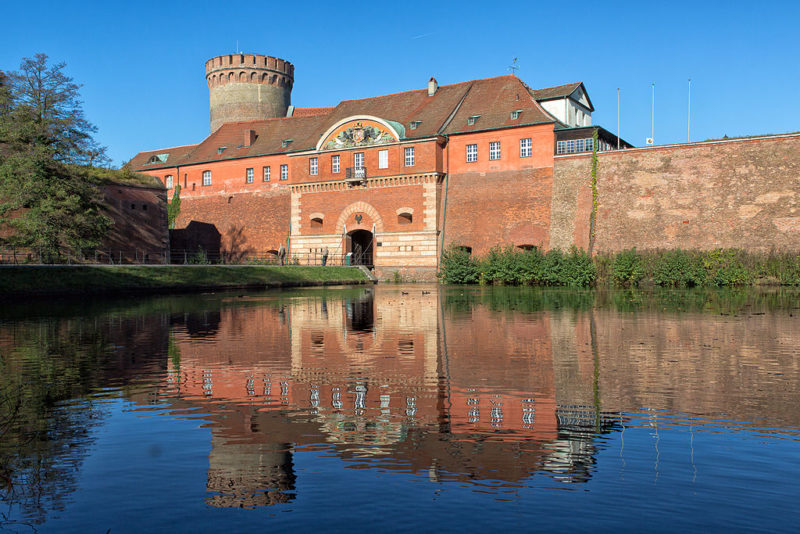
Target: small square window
(410, 158)
(415, 124)
(472, 119)
(249, 176)
(335, 164)
(494, 150)
(472, 153)
(286, 142)
(515, 114)
(266, 173)
(284, 172)
(313, 166)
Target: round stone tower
(246, 87)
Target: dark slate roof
(447, 112)
(559, 91)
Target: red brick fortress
(394, 180)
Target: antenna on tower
(513, 67)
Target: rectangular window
(168, 181)
(335, 164)
(267, 173)
(358, 160)
(383, 159)
(410, 156)
(206, 177)
(525, 147)
(313, 166)
(472, 153)
(284, 172)
(561, 147)
(249, 176)
(571, 146)
(494, 150)
(589, 144)
(579, 145)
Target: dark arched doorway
(360, 244)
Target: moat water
(402, 409)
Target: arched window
(316, 220)
(405, 215)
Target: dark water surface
(402, 409)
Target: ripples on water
(404, 408)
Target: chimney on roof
(249, 137)
(433, 86)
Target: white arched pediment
(360, 130)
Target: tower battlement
(245, 87)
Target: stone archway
(346, 218)
(361, 244)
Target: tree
(174, 207)
(47, 112)
(49, 199)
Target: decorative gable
(360, 131)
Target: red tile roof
(311, 112)
(447, 112)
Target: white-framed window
(267, 173)
(249, 176)
(358, 160)
(335, 163)
(284, 172)
(472, 153)
(525, 147)
(206, 177)
(415, 124)
(168, 181)
(383, 159)
(494, 150)
(561, 147)
(589, 144)
(410, 159)
(570, 146)
(313, 166)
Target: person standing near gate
(324, 256)
(281, 254)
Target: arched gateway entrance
(359, 242)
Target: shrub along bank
(65, 280)
(629, 268)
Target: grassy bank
(629, 268)
(71, 280)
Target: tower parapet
(246, 87)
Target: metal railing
(29, 256)
(358, 173)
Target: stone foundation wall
(742, 193)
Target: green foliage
(459, 267)
(510, 266)
(725, 268)
(789, 275)
(49, 201)
(678, 268)
(174, 207)
(627, 269)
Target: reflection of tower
(247, 475)
(248, 87)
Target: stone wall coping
(681, 145)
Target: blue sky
(142, 63)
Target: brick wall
(742, 193)
(140, 221)
(247, 222)
(499, 208)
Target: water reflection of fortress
(386, 375)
